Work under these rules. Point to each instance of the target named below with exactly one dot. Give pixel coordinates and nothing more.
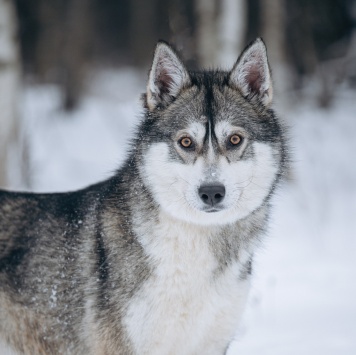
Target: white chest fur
(186, 307)
(6, 350)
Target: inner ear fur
(167, 77)
(251, 73)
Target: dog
(158, 258)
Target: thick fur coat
(158, 258)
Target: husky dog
(158, 258)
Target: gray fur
(70, 263)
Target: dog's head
(212, 148)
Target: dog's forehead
(198, 127)
(223, 128)
(210, 110)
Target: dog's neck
(227, 243)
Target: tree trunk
(231, 31)
(142, 33)
(63, 51)
(9, 86)
(274, 29)
(76, 51)
(220, 31)
(207, 40)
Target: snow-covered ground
(303, 299)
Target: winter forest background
(71, 72)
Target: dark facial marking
(246, 270)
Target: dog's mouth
(212, 210)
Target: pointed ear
(167, 77)
(251, 73)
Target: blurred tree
(207, 39)
(253, 27)
(10, 131)
(55, 42)
(60, 38)
(181, 30)
(111, 23)
(220, 32)
(316, 30)
(63, 45)
(142, 34)
(231, 31)
(273, 15)
(76, 53)
(351, 53)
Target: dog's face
(212, 153)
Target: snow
(69, 151)
(304, 287)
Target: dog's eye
(186, 142)
(235, 140)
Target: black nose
(212, 194)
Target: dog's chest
(188, 305)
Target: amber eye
(186, 142)
(235, 139)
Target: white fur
(6, 350)
(185, 307)
(175, 185)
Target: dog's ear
(167, 77)
(251, 73)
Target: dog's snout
(212, 194)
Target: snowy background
(303, 299)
